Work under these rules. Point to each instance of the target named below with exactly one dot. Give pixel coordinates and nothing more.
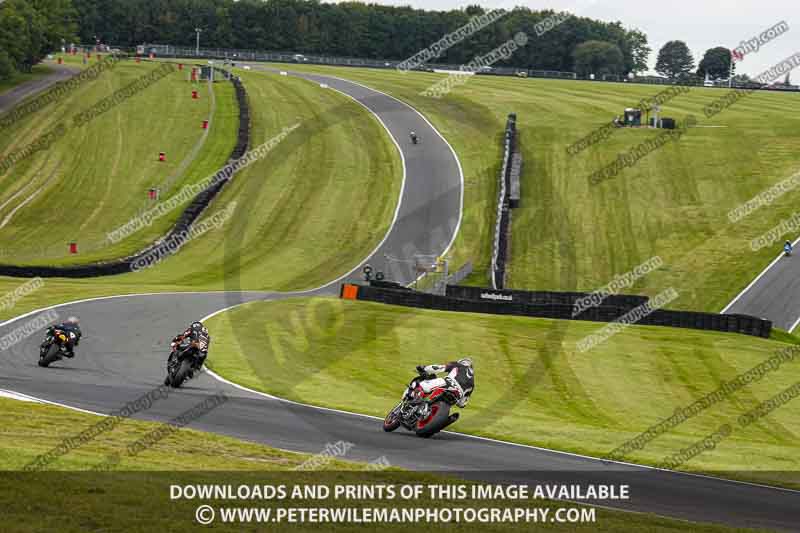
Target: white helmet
(466, 361)
(73, 320)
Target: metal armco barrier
(743, 324)
(187, 218)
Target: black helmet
(197, 326)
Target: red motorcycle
(424, 413)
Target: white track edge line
(11, 395)
(57, 404)
(132, 295)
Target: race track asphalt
(774, 294)
(126, 341)
(16, 94)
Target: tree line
(675, 61)
(355, 29)
(30, 29)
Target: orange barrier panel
(350, 292)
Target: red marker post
(195, 96)
(162, 156)
(180, 66)
(153, 194)
(73, 247)
(205, 124)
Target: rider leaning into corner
(460, 378)
(195, 332)
(72, 328)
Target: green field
(96, 176)
(532, 385)
(570, 235)
(289, 229)
(68, 500)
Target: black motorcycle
(54, 347)
(414, 139)
(423, 413)
(183, 361)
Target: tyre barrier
(184, 222)
(514, 191)
(503, 214)
(627, 301)
(534, 307)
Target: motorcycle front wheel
(392, 420)
(49, 357)
(180, 375)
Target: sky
(702, 24)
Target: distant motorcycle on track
(423, 413)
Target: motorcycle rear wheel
(435, 421)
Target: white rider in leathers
(460, 377)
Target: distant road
(774, 294)
(15, 95)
